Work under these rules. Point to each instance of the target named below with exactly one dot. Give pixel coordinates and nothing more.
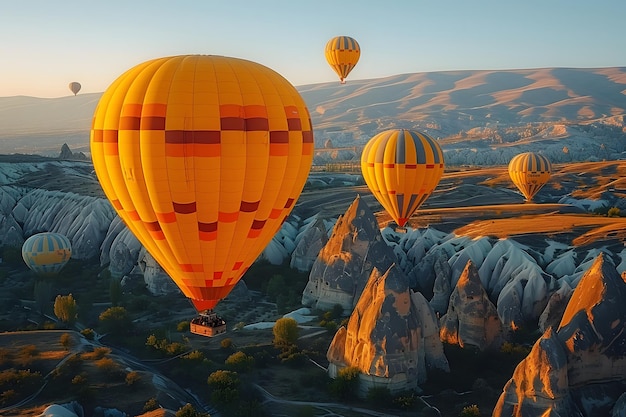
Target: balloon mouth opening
(203, 305)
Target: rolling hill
(463, 109)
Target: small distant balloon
(74, 87)
(529, 172)
(342, 54)
(46, 253)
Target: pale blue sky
(45, 44)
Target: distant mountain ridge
(447, 102)
(443, 103)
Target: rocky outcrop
(156, 279)
(345, 263)
(471, 318)
(391, 336)
(67, 154)
(309, 243)
(553, 313)
(539, 383)
(579, 368)
(441, 288)
(82, 219)
(512, 277)
(120, 249)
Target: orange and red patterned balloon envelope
(203, 157)
(529, 172)
(402, 168)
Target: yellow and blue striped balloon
(342, 54)
(529, 172)
(46, 253)
(402, 168)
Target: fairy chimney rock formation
(308, 247)
(391, 336)
(579, 369)
(345, 263)
(471, 318)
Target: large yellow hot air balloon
(203, 157)
(46, 253)
(342, 54)
(402, 168)
(529, 172)
(74, 87)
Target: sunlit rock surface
(471, 318)
(579, 368)
(345, 263)
(391, 336)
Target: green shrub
(346, 384)
(183, 326)
(132, 378)
(405, 401)
(175, 348)
(151, 404)
(225, 387)
(7, 397)
(88, 333)
(470, 411)
(286, 331)
(107, 365)
(194, 356)
(188, 411)
(240, 362)
(613, 212)
(295, 360)
(98, 353)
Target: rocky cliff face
(345, 263)
(579, 368)
(391, 336)
(309, 244)
(471, 318)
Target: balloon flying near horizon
(529, 172)
(402, 168)
(203, 157)
(342, 54)
(74, 87)
(46, 253)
